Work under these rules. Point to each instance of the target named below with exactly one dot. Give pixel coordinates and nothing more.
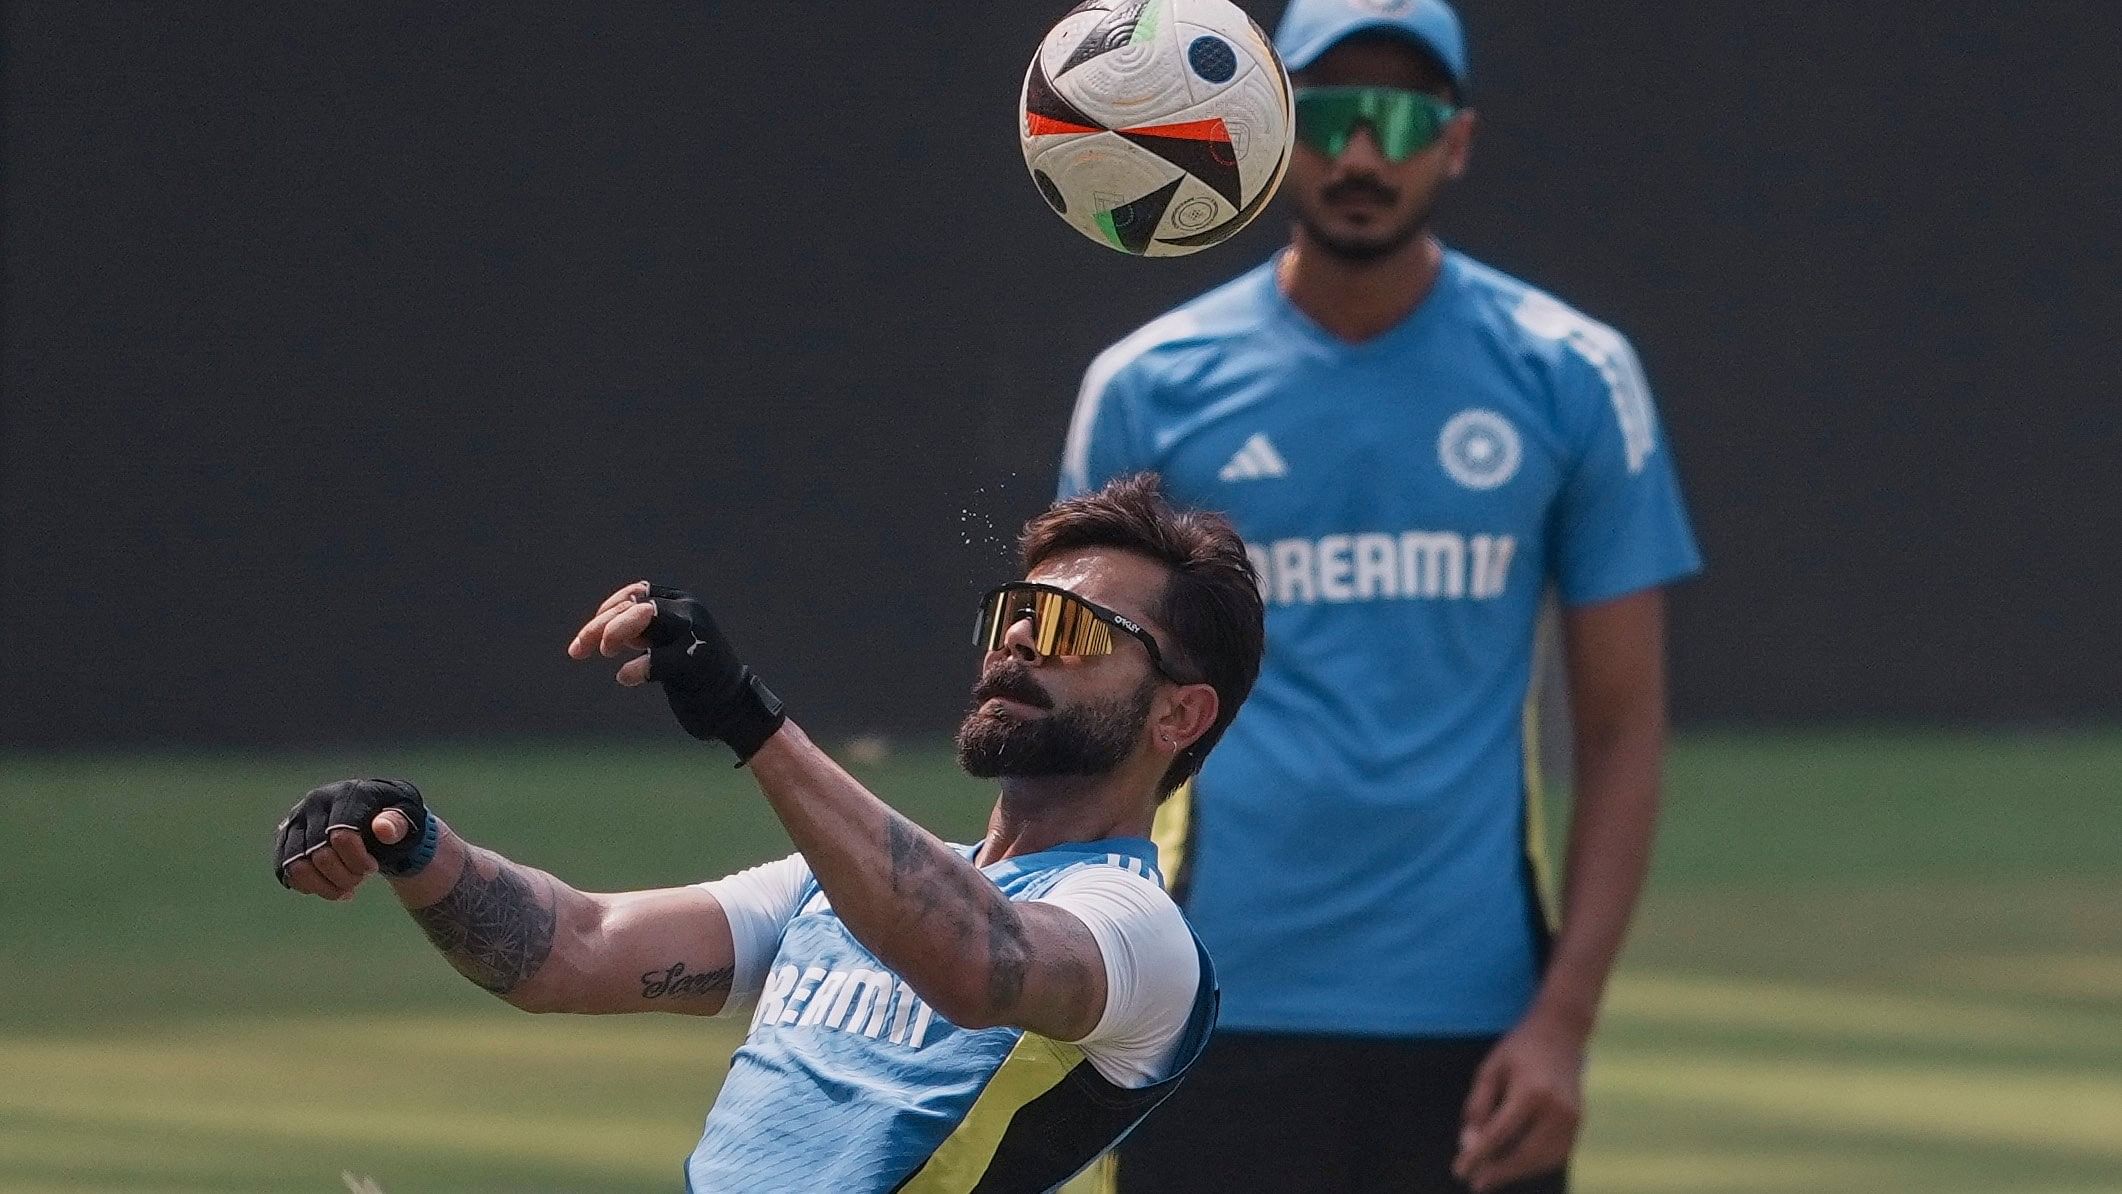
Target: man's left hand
(1527, 1100)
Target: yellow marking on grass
(1842, 1012)
(2091, 976)
(577, 1137)
(2074, 1114)
(586, 1097)
(1736, 1172)
(375, 1044)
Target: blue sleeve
(1620, 524)
(1102, 443)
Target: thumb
(391, 826)
(1481, 1102)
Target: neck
(1038, 814)
(1356, 300)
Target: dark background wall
(354, 351)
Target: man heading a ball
(925, 1017)
(1417, 449)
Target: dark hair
(1211, 608)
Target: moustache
(1354, 188)
(1012, 682)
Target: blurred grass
(1866, 964)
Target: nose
(1362, 154)
(1018, 643)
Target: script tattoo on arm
(676, 982)
(496, 932)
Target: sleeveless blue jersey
(1358, 850)
(850, 1082)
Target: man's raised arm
(516, 931)
(977, 957)
(974, 955)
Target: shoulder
(1583, 372)
(1535, 325)
(1156, 987)
(1149, 377)
(1116, 882)
(1186, 333)
(1128, 913)
(769, 891)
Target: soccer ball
(1156, 127)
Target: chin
(1359, 243)
(1367, 236)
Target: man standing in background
(1417, 449)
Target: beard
(1086, 739)
(1371, 247)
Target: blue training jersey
(849, 1081)
(1362, 852)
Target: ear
(1184, 714)
(1459, 143)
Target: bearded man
(925, 1017)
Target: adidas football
(1157, 127)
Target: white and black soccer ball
(1156, 127)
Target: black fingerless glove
(712, 694)
(353, 804)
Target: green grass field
(1866, 964)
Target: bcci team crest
(1480, 449)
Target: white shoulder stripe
(1608, 352)
(1075, 457)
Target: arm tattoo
(1008, 954)
(674, 981)
(916, 876)
(908, 855)
(494, 931)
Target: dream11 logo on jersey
(1413, 565)
(1478, 449)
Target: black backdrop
(354, 350)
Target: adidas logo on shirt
(1256, 461)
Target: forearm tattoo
(1008, 955)
(494, 931)
(933, 889)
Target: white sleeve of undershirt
(1151, 970)
(759, 904)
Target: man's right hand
(712, 694)
(343, 832)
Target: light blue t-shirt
(1358, 857)
(849, 1081)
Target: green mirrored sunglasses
(1403, 122)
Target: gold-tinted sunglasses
(1062, 623)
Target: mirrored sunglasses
(1061, 623)
(1403, 122)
